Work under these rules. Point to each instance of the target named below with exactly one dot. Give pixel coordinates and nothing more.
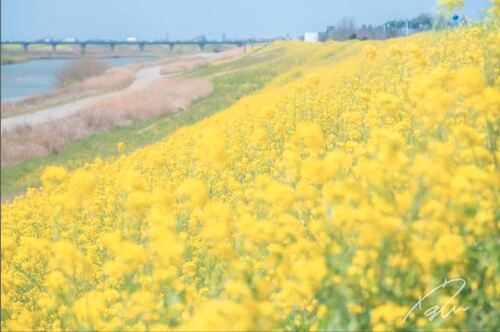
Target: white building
(311, 37)
(131, 39)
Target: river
(39, 76)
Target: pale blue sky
(181, 19)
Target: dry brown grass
(183, 65)
(191, 62)
(112, 79)
(165, 95)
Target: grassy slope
(232, 80)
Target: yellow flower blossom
(331, 199)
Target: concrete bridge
(140, 43)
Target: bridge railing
(140, 43)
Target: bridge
(140, 43)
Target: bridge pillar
(54, 46)
(202, 46)
(141, 47)
(25, 47)
(171, 46)
(112, 47)
(82, 48)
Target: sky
(184, 19)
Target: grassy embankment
(232, 80)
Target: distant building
(131, 39)
(311, 37)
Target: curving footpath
(142, 78)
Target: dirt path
(142, 78)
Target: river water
(39, 76)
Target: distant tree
(422, 21)
(344, 28)
(347, 23)
(79, 70)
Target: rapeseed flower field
(333, 199)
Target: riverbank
(118, 77)
(151, 94)
(38, 77)
(13, 59)
(112, 79)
